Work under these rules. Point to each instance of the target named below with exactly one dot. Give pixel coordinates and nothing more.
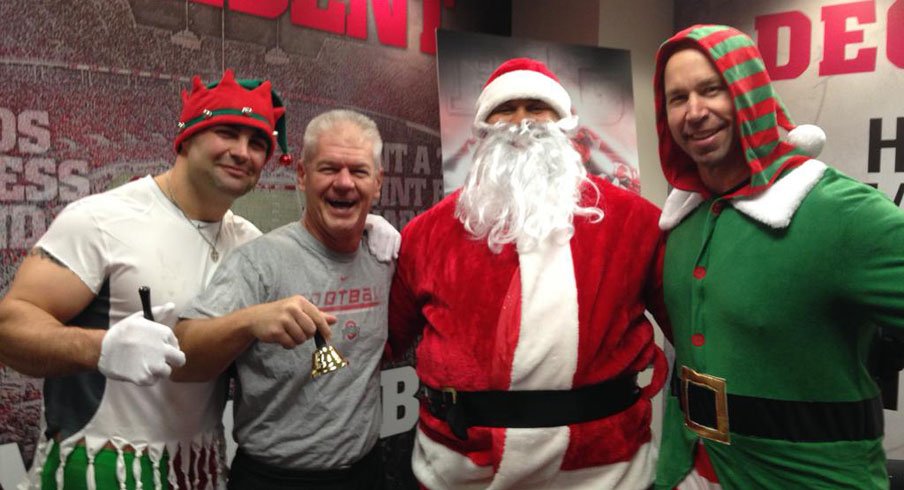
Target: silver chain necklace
(214, 253)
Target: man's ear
(300, 172)
(379, 186)
(183, 147)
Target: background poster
(91, 95)
(840, 65)
(597, 79)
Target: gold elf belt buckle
(717, 386)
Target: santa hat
(522, 78)
(249, 103)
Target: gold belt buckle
(453, 394)
(717, 386)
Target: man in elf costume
(777, 271)
(529, 286)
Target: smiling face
(225, 159)
(700, 110)
(340, 182)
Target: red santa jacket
(550, 319)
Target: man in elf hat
(73, 314)
(777, 271)
(295, 430)
(528, 287)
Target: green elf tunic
(780, 296)
(774, 292)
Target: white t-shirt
(115, 242)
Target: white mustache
(524, 185)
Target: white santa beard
(523, 186)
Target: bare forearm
(210, 345)
(35, 343)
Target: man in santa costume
(778, 269)
(528, 287)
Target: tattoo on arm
(41, 253)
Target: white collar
(774, 207)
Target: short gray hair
(330, 119)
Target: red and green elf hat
(243, 102)
(759, 111)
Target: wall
(640, 26)
(572, 21)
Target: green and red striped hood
(759, 111)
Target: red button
(698, 339)
(717, 207)
(699, 272)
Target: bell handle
(319, 341)
(144, 293)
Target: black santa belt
(714, 414)
(529, 409)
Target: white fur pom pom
(809, 138)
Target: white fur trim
(522, 84)
(440, 468)
(532, 457)
(547, 351)
(678, 205)
(568, 124)
(776, 206)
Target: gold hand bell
(326, 358)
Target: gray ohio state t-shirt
(283, 417)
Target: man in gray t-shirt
(269, 298)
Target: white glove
(141, 351)
(382, 238)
